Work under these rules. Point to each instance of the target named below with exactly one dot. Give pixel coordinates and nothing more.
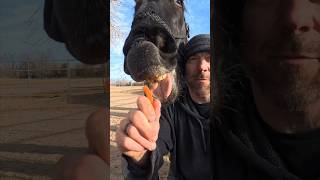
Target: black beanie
(198, 43)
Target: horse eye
(179, 3)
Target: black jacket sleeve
(165, 143)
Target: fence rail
(61, 78)
(49, 69)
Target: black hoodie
(246, 148)
(184, 133)
(242, 147)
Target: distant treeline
(123, 82)
(48, 69)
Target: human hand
(97, 132)
(138, 132)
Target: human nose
(204, 65)
(301, 16)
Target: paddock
(41, 120)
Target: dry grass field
(42, 120)
(123, 99)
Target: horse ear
(50, 22)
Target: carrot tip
(148, 93)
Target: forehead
(199, 54)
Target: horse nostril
(160, 42)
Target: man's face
(282, 49)
(198, 73)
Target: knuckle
(150, 146)
(151, 133)
(131, 131)
(131, 114)
(157, 128)
(126, 143)
(136, 117)
(140, 98)
(122, 124)
(155, 138)
(134, 114)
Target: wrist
(139, 158)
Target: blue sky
(197, 16)
(21, 31)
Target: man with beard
(182, 130)
(270, 122)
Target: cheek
(259, 23)
(259, 31)
(189, 70)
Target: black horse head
(157, 30)
(81, 25)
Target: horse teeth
(156, 80)
(160, 78)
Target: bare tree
(115, 30)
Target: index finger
(145, 106)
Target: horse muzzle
(150, 49)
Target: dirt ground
(42, 120)
(123, 99)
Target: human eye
(207, 58)
(193, 58)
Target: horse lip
(169, 56)
(139, 76)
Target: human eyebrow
(194, 57)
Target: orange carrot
(148, 93)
